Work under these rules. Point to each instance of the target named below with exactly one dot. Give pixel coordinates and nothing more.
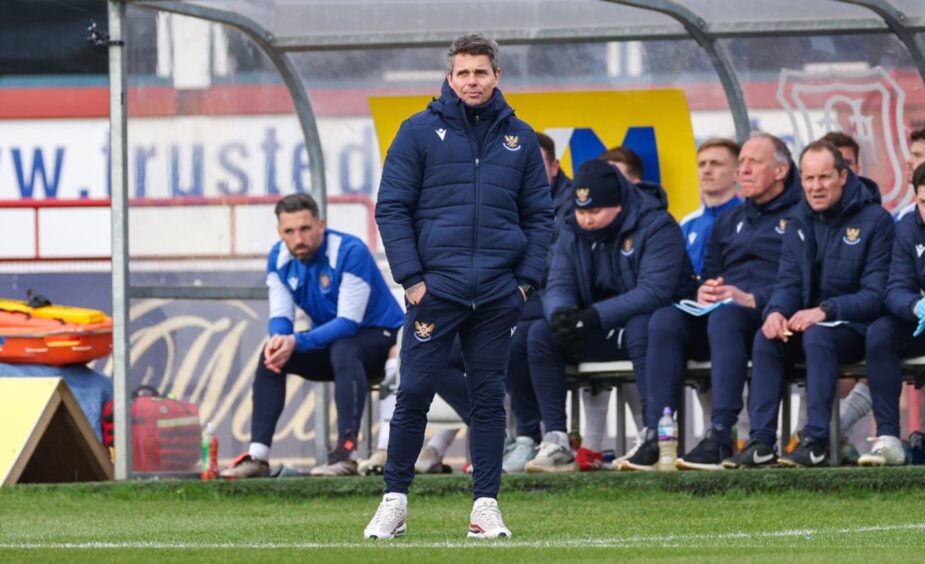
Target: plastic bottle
(209, 463)
(667, 442)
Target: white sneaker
(640, 439)
(887, 451)
(552, 458)
(389, 520)
(485, 521)
(429, 462)
(518, 454)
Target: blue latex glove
(919, 310)
(919, 328)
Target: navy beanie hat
(597, 185)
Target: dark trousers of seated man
(347, 362)
(485, 338)
(822, 349)
(548, 359)
(675, 337)
(519, 384)
(889, 340)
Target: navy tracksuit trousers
(675, 337)
(889, 340)
(548, 359)
(519, 384)
(348, 362)
(485, 337)
(823, 349)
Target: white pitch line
(613, 542)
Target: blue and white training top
(340, 288)
(697, 227)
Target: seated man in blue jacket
(832, 278)
(333, 278)
(618, 259)
(743, 256)
(898, 334)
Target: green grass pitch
(839, 515)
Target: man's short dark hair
(841, 139)
(626, 156)
(918, 177)
(474, 44)
(546, 144)
(721, 143)
(917, 135)
(819, 146)
(296, 203)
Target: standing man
(832, 278)
(465, 216)
(716, 170)
(333, 278)
(741, 263)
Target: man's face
(916, 157)
(758, 173)
(301, 232)
(716, 169)
(920, 200)
(552, 165)
(473, 79)
(823, 185)
(597, 218)
(851, 159)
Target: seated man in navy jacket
(897, 335)
(832, 278)
(743, 255)
(333, 278)
(618, 259)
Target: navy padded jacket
(745, 245)
(652, 265)
(472, 224)
(907, 269)
(855, 261)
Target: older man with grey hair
(465, 216)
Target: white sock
(595, 408)
(401, 496)
(442, 439)
(557, 438)
(855, 406)
(259, 451)
(386, 409)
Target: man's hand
(715, 290)
(558, 322)
(415, 294)
(806, 318)
(775, 327)
(278, 351)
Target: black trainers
(707, 455)
(810, 453)
(646, 455)
(756, 454)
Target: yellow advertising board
(654, 123)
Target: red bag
(166, 433)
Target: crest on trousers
(852, 236)
(424, 331)
(511, 142)
(781, 227)
(582, 196)
(627, 249)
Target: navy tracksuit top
(745, 245)
(471, 221)
(649, 266)
(907, 269)
(841, 256)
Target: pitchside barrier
(618, 373)
(46, 436)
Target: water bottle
(209, 463)
(667, 442)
